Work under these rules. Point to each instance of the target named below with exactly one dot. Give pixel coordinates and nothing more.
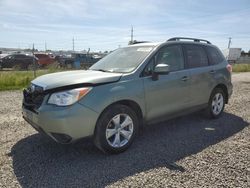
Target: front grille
(33, 97)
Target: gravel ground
(190, 151)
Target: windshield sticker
(148, 49)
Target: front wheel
(116, 129)
(216, 103)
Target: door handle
(184, 78)
(212, 71)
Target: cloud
(105, 24)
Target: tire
(110, 135)
(216, 103)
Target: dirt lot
(190, 151)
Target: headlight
(69, 97)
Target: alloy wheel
(119, 130)
(217, 103)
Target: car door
(17, 60)
(169, 93)
(8, 61)
(23, 61)
(200, 74)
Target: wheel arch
(131, 104)
(225, 90)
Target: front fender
(102, 96)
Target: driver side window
(171, 55)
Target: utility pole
(73, 40)
(132, 35)
(34, 63)
(45, 46)
(229, 42)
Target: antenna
(45, 46)
(73, 41)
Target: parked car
(44, 59)
(129, 88)
(18, 61)
(77, 60)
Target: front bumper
(63, 124)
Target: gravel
(190, 151)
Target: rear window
(196, 56)
(20, 56)
(214, 55)
(41, 55)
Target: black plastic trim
(73, 86)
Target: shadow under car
(40, 162)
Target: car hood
(71, 78)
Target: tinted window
(171, 55)
(196, 56)
(20, 56)
(41, 55)
(214, 56)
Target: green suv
(129, 88)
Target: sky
(106, 24)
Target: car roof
(177, 40)
(188, 42)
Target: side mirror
(160, 69)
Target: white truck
(232, 54)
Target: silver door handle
(212, 71)
(185, 78)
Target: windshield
(123, 60)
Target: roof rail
(186, 38)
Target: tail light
(229, 68)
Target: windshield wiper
(102, 70)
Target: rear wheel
(116, 129)
(216, 103)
